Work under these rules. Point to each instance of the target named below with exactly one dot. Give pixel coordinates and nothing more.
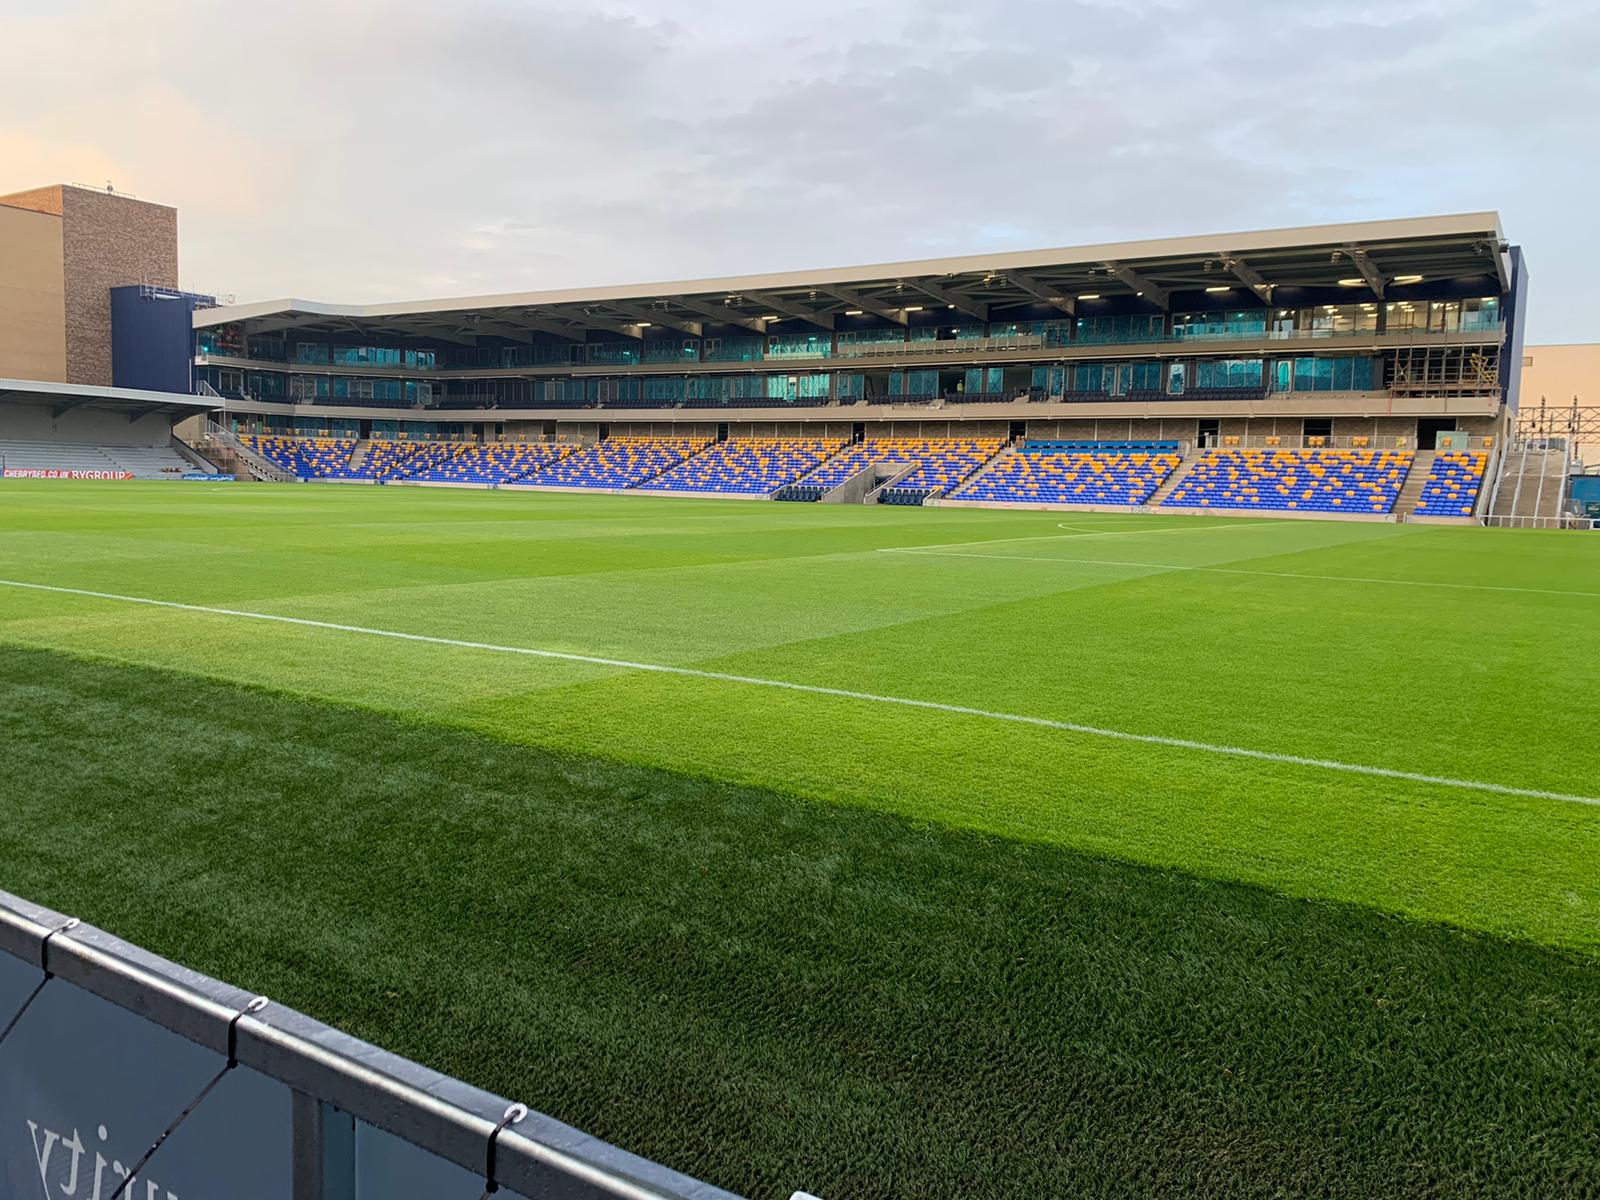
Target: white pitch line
(1120, 735)
(1111, 562)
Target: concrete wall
(36, 422)
(107, 241)
(33, 342)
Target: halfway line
(1120, 735)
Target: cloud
(366, 151)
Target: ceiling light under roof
(1408, 278)
(772, 317)
(642, 324)
(913, 308)
(1090, 296)
(1219, 289)
(852, 312)
(1356, 282)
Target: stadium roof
(1370, 255)
(63, 397)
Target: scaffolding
(1444, 371)
(1578, 422)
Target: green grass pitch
(1144, 855)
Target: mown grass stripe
(1111, 562)
(1122, 735)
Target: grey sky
(364, 151)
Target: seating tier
(1331, 481)
(1071, 477)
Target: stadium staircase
(1172, 481)
(1532, 484)
(881, 482)
(1411, 493)
(223, 448)
(224, 459)
(358, 456)
(196, 460)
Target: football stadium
(1097, 721)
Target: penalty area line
(1096, 731)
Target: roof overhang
(63, 397)
(1363, 256)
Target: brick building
(62, 249)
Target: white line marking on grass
(1111, 562)
(1120, 735)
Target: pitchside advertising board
(86, 1088)
(53, 473)
(126, 1077)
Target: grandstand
(1368, 335)
(38, 456)
(1375, 335)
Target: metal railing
(1565, 521)
(328, 1085)
(949, 347)
(1300, 442)
(259, 464)
(955, 348)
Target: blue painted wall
(1515, 307)
(152, 339)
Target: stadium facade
(1399, 335)
(1383, 327)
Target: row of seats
(748, 466)
(491, 465)
(1451, 489)
(1333, 481)
(1071, 477)
(618, 462)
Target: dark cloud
(365, 150)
